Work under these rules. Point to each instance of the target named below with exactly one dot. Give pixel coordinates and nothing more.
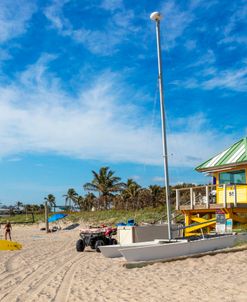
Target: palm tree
(131, 193)
(28, 207)
(89, 201)
(155, 194)
(35, 207)
(51, 200)
(41, 207)
(106, 184)
(19, 204)
(131, 188)
(86, 202)
(71, 196)
(80, 201)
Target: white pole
(157, 17)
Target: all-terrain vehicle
(96, 238)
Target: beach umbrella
(56, 217)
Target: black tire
(54, 229)
(92, 244)
(97, 244)
(80, 245)
(114, 241)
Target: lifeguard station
(227, 194)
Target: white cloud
(4, 55)
(37, 116)
(231, 32)
(54, 13)
(230, 79)
(206, 59)
(118, 27)
(202, 4)
(212, 78)
(110, 5)
(101, 123)
(190, 44)
(175, 22)
(95, 40)
(120, 24)
(159, 179)
(135, 177)
(14, 17)
(14, 159)
(195, 141)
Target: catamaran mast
(156, 16)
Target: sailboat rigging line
(165, 216)
(193, 224)
(148, 141)
(155, 104)
(173, 212)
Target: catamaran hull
(113, 251)
(177, 249)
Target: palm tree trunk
(105, 202)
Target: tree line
(107, 191)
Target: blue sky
(78, 90)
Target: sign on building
(220, 222)
(229, 224)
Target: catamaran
(162, 249)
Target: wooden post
(177, 199)
(194, 198)
(225, 195)
(187, 220)
(191, 199)
(173, 221)
(46, 218)
(207, 197)
(235, 196)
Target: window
(234, 177)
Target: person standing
(8, 229)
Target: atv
(96, 238)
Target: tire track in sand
(9, 267)
(44, 268)
(38, 280)
(62, 294)
(9, 273)
(51, 280)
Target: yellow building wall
(230, 192)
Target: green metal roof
(234, 155)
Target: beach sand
(48, 268)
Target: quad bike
(96, 238)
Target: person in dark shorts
(8, 229)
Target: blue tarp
(56, 217)
(130, 222)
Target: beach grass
(110, 217)
(107, 217)
(22, 218)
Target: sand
(49, 269)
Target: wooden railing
(209, 194)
